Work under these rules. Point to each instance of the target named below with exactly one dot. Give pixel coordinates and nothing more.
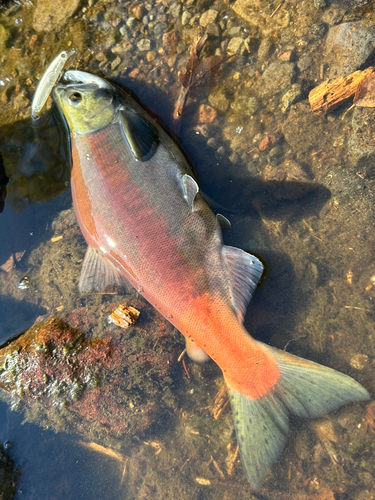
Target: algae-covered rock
(64, 376)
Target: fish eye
(75, 98)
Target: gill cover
(90, 103)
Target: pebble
(265, 143)
(116, 62)
(206, 114)
(235, 31)
(234, 45)
(218, 101)
(144, 44)
(185, 18)
(150, 56)
(320, 4)
(211, 142)
(266, 48)
(290, 97)
(131, 22)
(208, 17)
(359, 361)
(212, 29)
(277, 77)
(304, 62)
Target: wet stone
(208, 17)
(361, 146)
(219, 101)
(234, 45)
(348, 46)
(276, 78)
(320, 4)
(266, 48)
(80, 374)
(144, 44)
(52, 16)
(185, 18)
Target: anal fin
(97, 272)
(196, 353)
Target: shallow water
(298, 189)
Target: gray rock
(276, 78)
(290, 97)
(208, 17)
(52, 16)
(304, 63)
(320, 4)
(361, 145)
(318, 30)
(266, 48)
(348, 45)
(160, 28)
(235, 31)
(234, 45)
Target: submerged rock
(361, 147)
(64, 376)
(51, 16)
(348, 46)
(9, 476)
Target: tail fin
(305, 389)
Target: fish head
(87, 107)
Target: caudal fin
(305, 389)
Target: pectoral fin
(97, 272)
(245, 271)
(140, 136)
(189, 188)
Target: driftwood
(332, 93)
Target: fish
(146, 222)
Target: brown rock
(206, 114)
(170, 40)
(137, 74)
(265, 143)
(139, 12)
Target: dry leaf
(198, 72)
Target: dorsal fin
(189, 190)
(223, 222)
(245, 271)
(97, 272)
(140, 136)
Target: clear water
(300, 204)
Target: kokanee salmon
(139, 207)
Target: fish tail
(305, 389)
